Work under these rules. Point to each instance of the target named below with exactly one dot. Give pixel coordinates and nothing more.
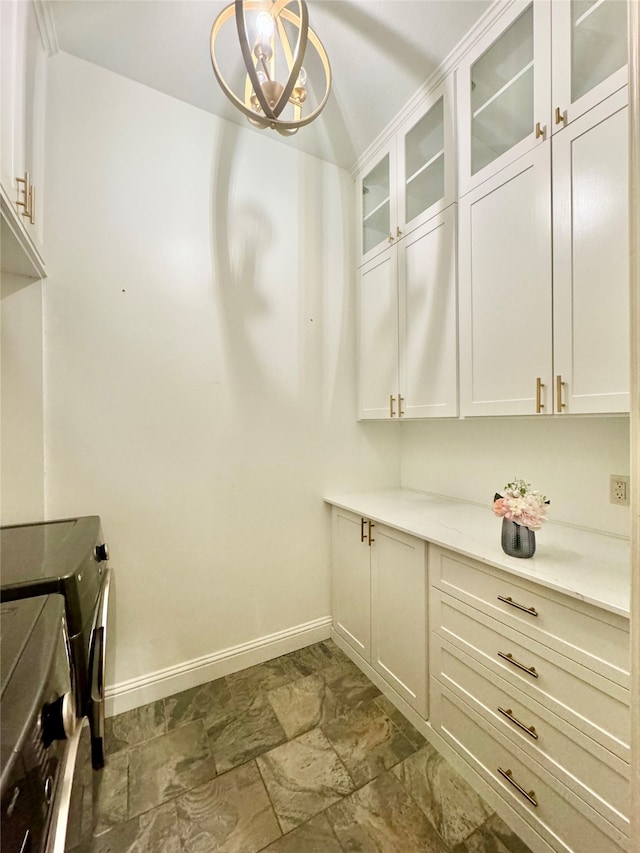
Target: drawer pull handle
(530, 670)
(530, 730)
(530, 796)
(508, 600)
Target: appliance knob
(58, 719)
(101, 552)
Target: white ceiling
(381, 52)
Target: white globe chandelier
(275, 86)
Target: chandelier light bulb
(302, 78)
(264, 26)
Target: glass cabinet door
(424, 162)
(376, 205)
(502, 93)
(598, 44)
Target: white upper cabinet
(591, 261)
(542, 65)
(506, 291)
(589, 55)
(407, 324)
(504, 89)
(23, 89)
(411, 179)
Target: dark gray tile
(134, 727)
(494, 836)
(449, 802)
(254, 683)
(314, 836)
(230, 814)
(382, 817)
(211, 700)
(349, 685)
(303, 704)
(109, 792)
(244, 735)
(168, 765)
(311, 659)
(336, 652)
(155, 831)
(398, 719)
(303, 777)
(367, 742)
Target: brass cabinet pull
(530, 795)
(540, 130)
(539, 403)
(398, 231)
(530, 670)
(530, 730)
(391, 238)
(392, 400)
(559, 383)
(363, 521)
(371, 539)
(400, 402)
(560, 116)
(508, 600)
(29, 195)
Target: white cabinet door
(428, 319)
(378, 337)
(591, 261)
(23, 89)
(377, 200)
(505, 291)
(589, 55)
(351, 581)
(504, 90)
(399, 614)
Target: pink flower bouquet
(519, 503)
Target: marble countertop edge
(587, 565)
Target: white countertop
(593, 567)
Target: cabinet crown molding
(46, 26)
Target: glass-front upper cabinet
(589, 55)
(504, 92)
(378, 205)
(413, 178)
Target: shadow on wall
(285, 307)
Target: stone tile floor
(301, 754)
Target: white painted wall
(199, 356)
(21, 422)
(569, 459)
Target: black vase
(517, 540)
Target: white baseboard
(165, 682)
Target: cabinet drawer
(561, 818)
(595, 706)
(586, 634)
(595, 774)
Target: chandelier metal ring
(261, 110)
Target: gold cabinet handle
(398, 231)
(32, 204)
(27, 197)
(528, 795)
(530, 670)
(400, 402)
(508, 600)
(561, 117)
(363, 521)
(559, 404)
(539, 387)
(541, 129)
(371, 539)
(391, 238)
(530, 730)
(392, 401)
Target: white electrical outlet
(619, 489)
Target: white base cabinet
(379, 599)
(531, 689)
